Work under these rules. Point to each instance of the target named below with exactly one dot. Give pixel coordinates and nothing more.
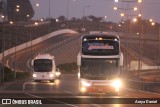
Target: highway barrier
(142, 85)
(35, 41)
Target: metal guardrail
(143, 86)
(57, 44)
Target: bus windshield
(99, 67)
(100, 47)
(42, 65)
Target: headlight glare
(86, 84)
(51, 75)
(117, 83)
(34, 75)
(58, 73)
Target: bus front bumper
(43, 77)
(113, 86)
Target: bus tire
(37, 80)
(83, 93)
(51, 80)
(115, 93)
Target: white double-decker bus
(99, 62)
(44, 67)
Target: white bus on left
(44, 67)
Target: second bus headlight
(116, 83)
(34, 75)
(86, 84)
(58, 74)
(51, 75)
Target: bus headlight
(116, 83)
(58, 74)
(51, 75)
(78, 75)
(86, 84)
(34, 75)
(83, 89)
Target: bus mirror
(79, 60)
(121, 59)
(32, 62)
(57, 69)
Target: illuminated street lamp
(139, 15)
(122, 14)
(135, 8)
(17, 10)
(115, 8)
(42, 20)
(37, 4)
(28, 15)
(83, 29)
(139, 1)
(134, 19)
(57, 20)
(150, 20)
(11, 22)
(36, 23)
(152, 23)
(2, 16)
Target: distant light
(116, 1)
(42, 20)
(27, 15)
(37, 4)
(17, 10)
(100, 39)
(139, 15)
(122, 21)
(115, 39)
(17, 6)
(57, 20)
(137, 33)
(119, 25)
(2, 16)
(135, 8)
(115, 8)
(153, 23)
(105, 17)
(135, 20)
(139, 1)
(11, 22)
(150, 20)
(122, 14)
(36, 23)
(85, 39)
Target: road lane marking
(24, 85)
(96, 105)
(68, 92)
(52, 100)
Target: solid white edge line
(52, 100)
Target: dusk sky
(99, 8)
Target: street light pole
(158, 44)
(3, 48)
(49, 15)
(83, 29)
(67, 12)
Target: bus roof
(101, 35)
(44, 56)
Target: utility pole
(67, 12)
(4, 5)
